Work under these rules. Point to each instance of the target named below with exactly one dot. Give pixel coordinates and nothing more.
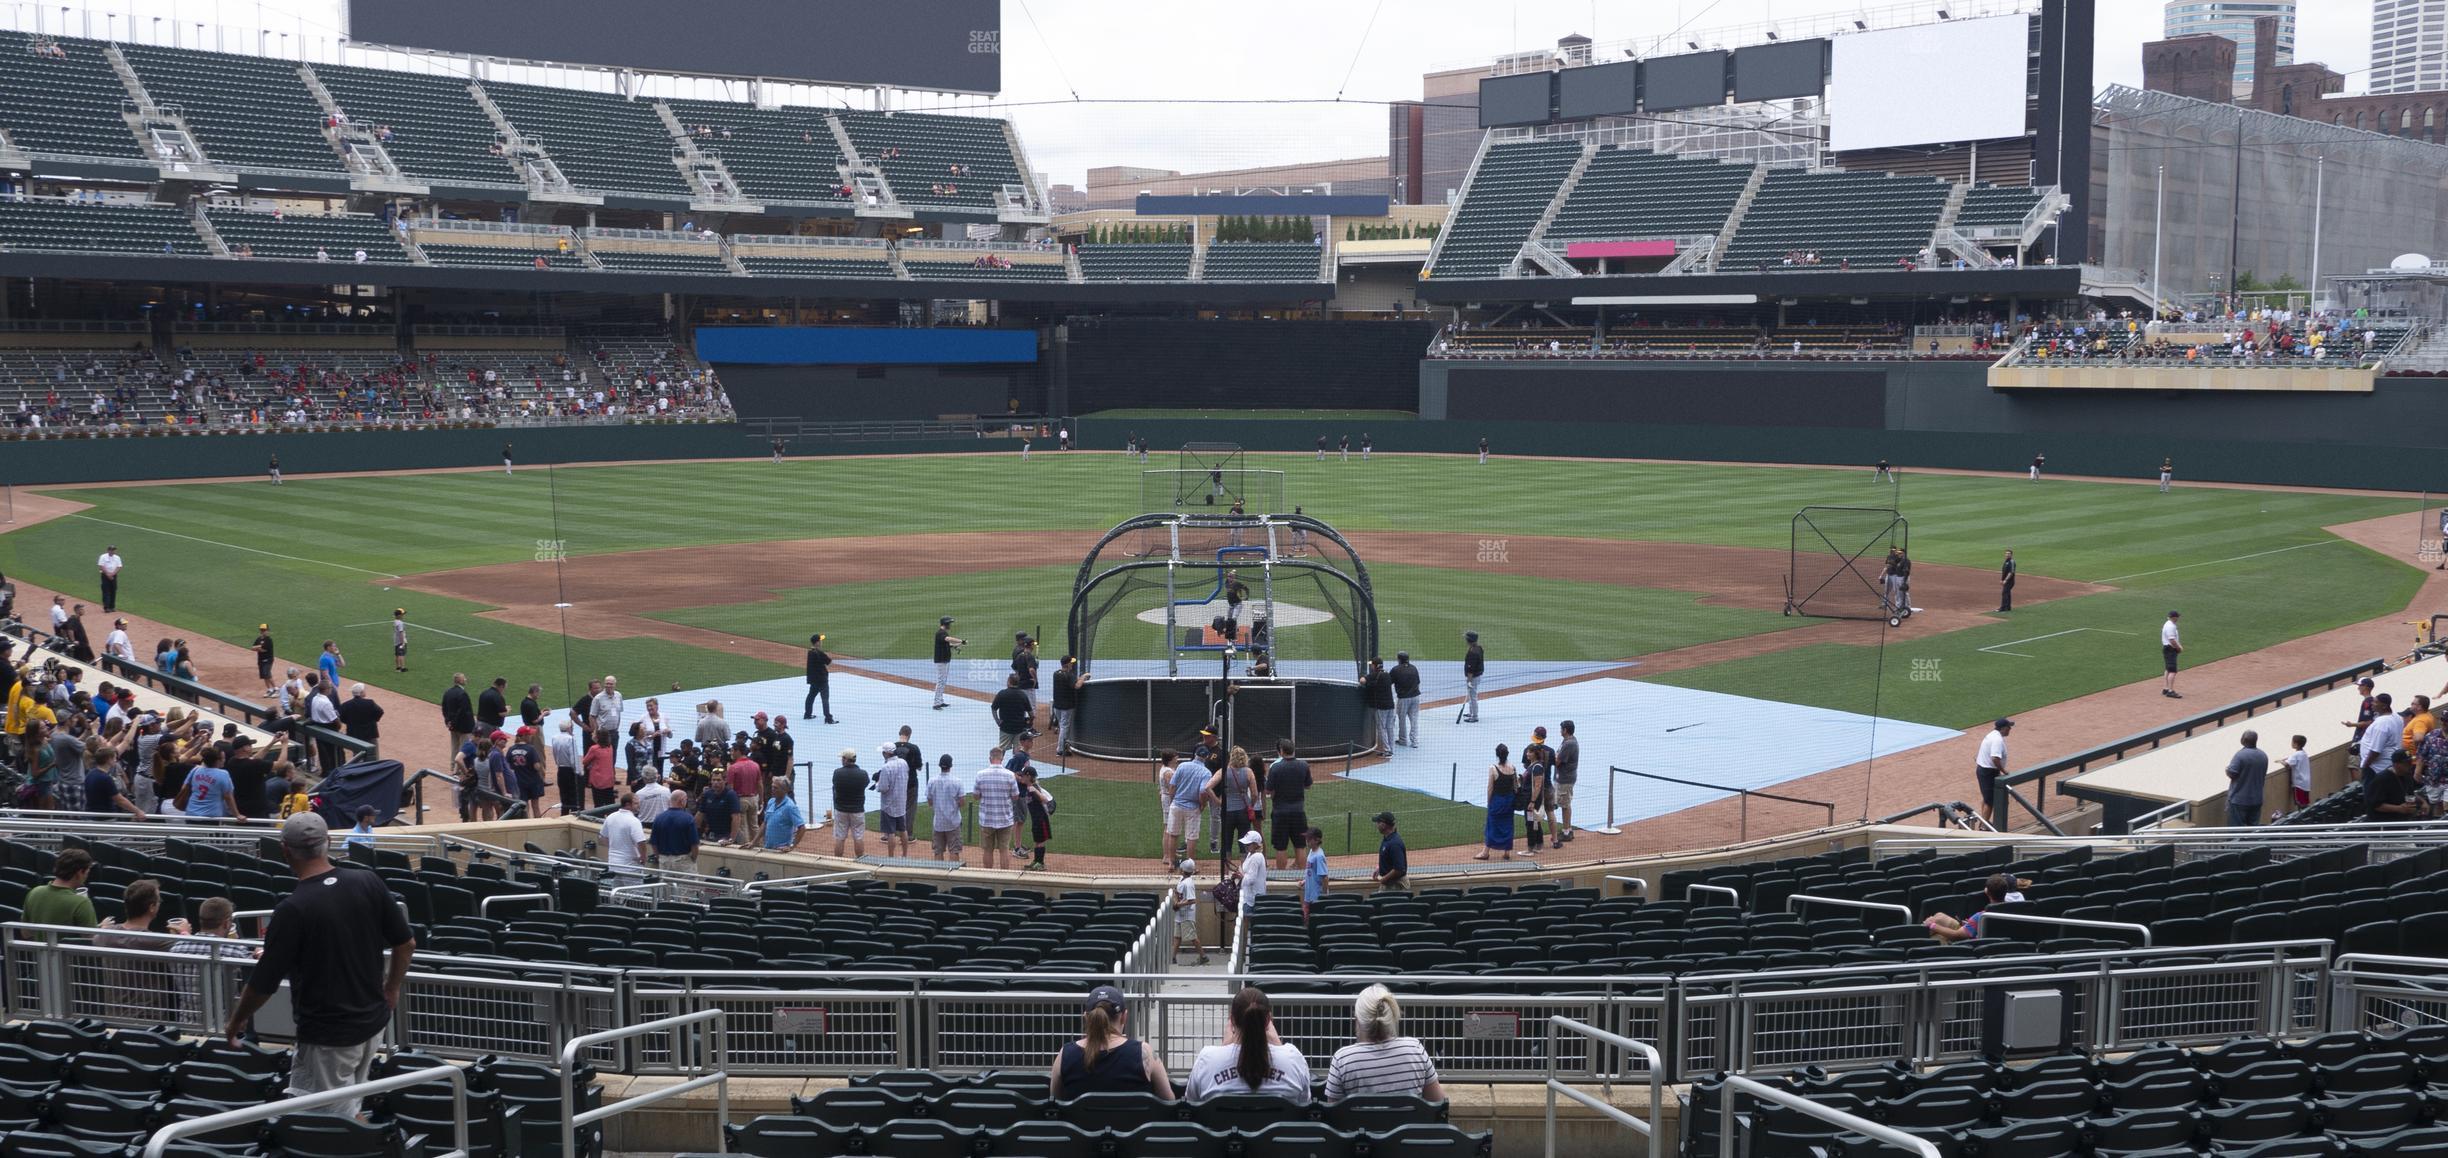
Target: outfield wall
(211, 455)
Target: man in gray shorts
(1567, 773)
(327, 940)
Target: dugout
(1258, 625)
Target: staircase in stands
(1733, 222)
(542, 175)
(1536, 251)
(360, 149)
(1036, 200)
(863, 177)
(706, 174)
(204, 229)
(1445, 228)
(161, 127)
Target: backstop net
(1838, 562)
(1196, 590)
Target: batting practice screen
(1838, 561)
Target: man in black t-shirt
(945, 641)
(1474, 665)
(1377, 692)
(326, 940)
(2390, 797)
(1287, 785)
(1024, 665)
(819, 681)
(361, 718)
(1406, 699)
(1067, 679)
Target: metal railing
(1603, 1102)
(1744, 825)
(159, 1143)
(1927, 1011)
(2382, 842)
(1738, 1084)
(1987, 916)
(796, 241)
(708, 1063)
(1867, 906)
(2116, 750)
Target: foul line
(2216, 562)
(2000, 648)
(472, 641)
(236, 547)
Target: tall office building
(2233, 19)
(2409, 46)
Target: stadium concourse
(1915, 764)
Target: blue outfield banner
(854, 345)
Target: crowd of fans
(2228, 338)
(257, 388)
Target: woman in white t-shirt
(1382, 1061)
(1252, 1059)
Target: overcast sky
(1170, 84)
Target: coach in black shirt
(1011, 712)
(819, 681)
(1406, 699)
(1287, 784)
(1377, 689)
(1474, 665)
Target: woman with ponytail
(1105, 1058)
(1252, 1060)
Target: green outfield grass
(314, 558)
(1544, 618)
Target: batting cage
(1211, 476)
(1837, 567)
(1257, 625)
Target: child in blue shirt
(1313, 874)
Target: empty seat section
(1135, 262)
(63, 100)
(1512, 188)
(775, 265)
(1996, 205)
(438, 133)
(602, 142)
(1867, 220)
(1261, 261)
(245, 111)
(784, 154)
(297, 237)
(498, 255)
(663, 261)
(967, 268)
(918, 151)
(153, 229)
(1635, 195)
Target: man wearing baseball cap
(819, 681)
(2363, 714)
(327, 940)
(116, 646)
(1185, 910)
(1253, 871)
(1474, 664)
(945, 641)
(1988, 766)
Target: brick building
(2186, 66)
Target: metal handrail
(571, 1119)
(159, 1143)
(1745, 794)
(1791, 901)
(1655, 1065)
(1736, 1083)
(2116, 750)
(1689, 889)
(1636, 886)
(484, 908)
(1990, 915)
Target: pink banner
(1596, 249)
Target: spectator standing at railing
(108, 566)
(458, 714)
(493, 705)
(566, 772)
(2247, 772)
(624, 837)
(2384, 735)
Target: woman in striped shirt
(1381, 1062)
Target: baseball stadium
(1703, 599)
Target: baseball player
(945, 641)
(399, 640)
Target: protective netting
(1838, 563)
(1213, 490)
(1197, 587)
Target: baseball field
(696, 575)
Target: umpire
(819, 681)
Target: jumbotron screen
(933, 45)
